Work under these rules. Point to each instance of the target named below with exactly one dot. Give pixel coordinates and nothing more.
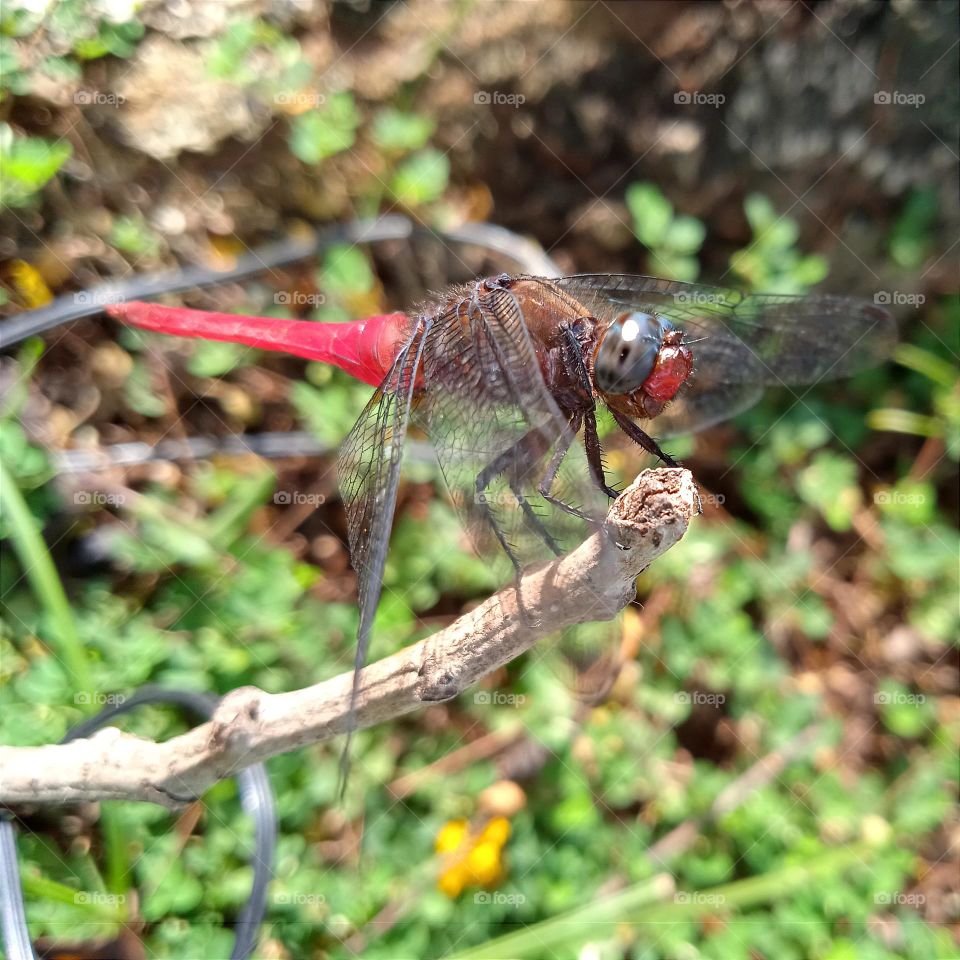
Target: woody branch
(592, 582)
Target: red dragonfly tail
(363, 348)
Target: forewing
(490, 416)
(369, 472)
(742, 342)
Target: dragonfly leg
(577, 370)
(591, 444)
(526, 446)
(546, 482)
(642, 439)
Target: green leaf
(27, 164)
(421, 179)
(328, 130)
(652, 213)
(211, 358)
(400, 132)
(346, 271)
(685, 235)
(829, 484)
(759, 210)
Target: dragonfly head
(642, 353)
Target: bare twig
(592, 582)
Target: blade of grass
(45, 582)
(43, 578)
(598, 921)
(42, 888)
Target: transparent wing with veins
(369, 473)
(743, 342)
(498, 432)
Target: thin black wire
(256, 799)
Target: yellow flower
(29, 284)
(451, 835)
(497, 831)
(471, 858)
(483, 863)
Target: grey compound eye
(627, 352)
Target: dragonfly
(507, 374)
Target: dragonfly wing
(743, 341)
(369, 473)
(496, 429)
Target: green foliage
(26, 165)
(257, 56)
(749, 621)
(325, 131)
(910, 240)
(939, 416)
(397, 132)
(771, 262)
(134, 236)
(421, 178)
(673, 239)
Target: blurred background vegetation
(807, 623)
